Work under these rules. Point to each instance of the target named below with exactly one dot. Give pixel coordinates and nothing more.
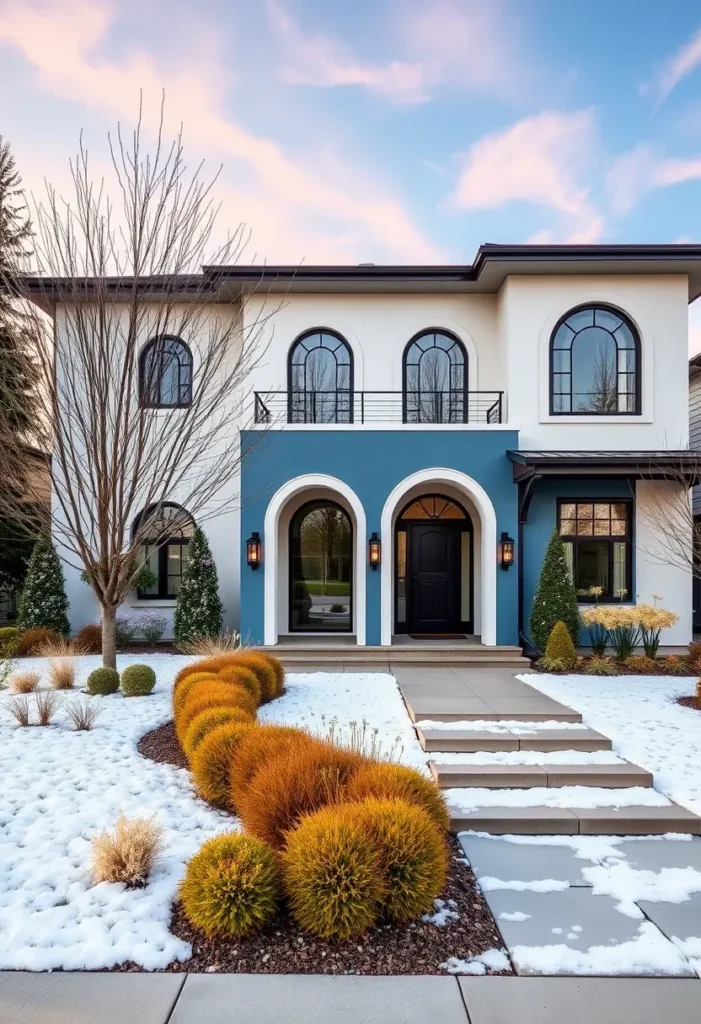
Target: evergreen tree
(198, 610)
(555, 599)
(44, 602)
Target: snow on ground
(647, 726)
(59, 787)
(466, 800)
(529, 757)
(498, 728)
(494, 959)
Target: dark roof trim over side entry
(648, 465)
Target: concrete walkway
(65, 998)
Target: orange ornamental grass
(386, 781)
(242, 677)
(212, 696)
(206, 721)
(182, 689)
(214, 664)
(211, 761)
(260, 747)
(261, 666)
(298, 782)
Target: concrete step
(526, 776)
(437, 653)
(623, 821)
(465, 741)
(466, 710)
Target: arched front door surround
(433, 478)
(335, 489)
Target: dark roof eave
(685, 464)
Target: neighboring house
(695, 442)
(428, 425)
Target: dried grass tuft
(47, 702)
(128, 853)
(62, 673)
(211, 646)
(60, 647)
(83, 714)
(19, 709)
(24, 682)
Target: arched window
(595, 364)
(165, 536)
(320, 376)
(165, 373)
(321, 569)
(435, 379)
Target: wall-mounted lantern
(254, 550)
(506, 551)
(374, 551)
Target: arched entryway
(321, 569)
(434, 568)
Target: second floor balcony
(363, 407)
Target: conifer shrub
(30, 640)
(301, 780)
(560, 647)
(262, 667)
(9, 637)
(198, 610)
(214, 695)
(138, 680)
(44, 603)
(259, 747)
(243, 677)
(231, 886)
(205, 722)
(89, 638)
(384, 780)
(102, 681)
(333, 876)
(555, 598)
(412, 852)
(211, 761)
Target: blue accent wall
(372, 463)
(542, 520)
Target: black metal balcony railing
(324, 407)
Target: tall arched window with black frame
(435, 379)
(165, 537)
(165, 373)
(320, 375)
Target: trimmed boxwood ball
(258, 748)
(102, 681)
(231, 886)
(206, 721)
(412, 853)
(333, 875)
(396, 780)
(138, 680)
(211, 761)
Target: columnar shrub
(44, 603)
(102, 681)
(412, 853)
(559, 650)
(211, 761)
(206, 722)
(231, 886)
(333, 875)
(555, 598)
(138, 680)
(398, 781)
(258, 748)
(198, 610)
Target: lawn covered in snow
(647, 726)
(59, 787)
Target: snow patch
(467, 800)
(445, 912)
(489, 884)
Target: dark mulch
(415, 948)
(689, 702)
(161, 745)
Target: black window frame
(163, 593)
(609, 540)
(309, 408)
(147, 389)
(637, 371)
(291, 542)
(462, 392)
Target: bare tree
(603, 396)
(667, 510)
(113, 275)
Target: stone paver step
(466, 741)
(524, 776)
(475, 709)
(621, 821)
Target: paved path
(65, 998)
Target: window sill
(591, 418)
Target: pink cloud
(680, 64)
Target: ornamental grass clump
(412, 851)
(262, 666)
(597, 666)
(183, 688)
(242, 677)
(89, 638)
(231, 887)
(333, 875)
(127, 854)
(205, 696)
(258, 748)
(652, 621)
(138, 681)
(211, 761)
(306, 777)
(206, 722)
(103, 681)
(559, 650)
(30, 641)
(24, 682)
(387, 781)
(47, 702)
(62, 673)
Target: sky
(385, 131)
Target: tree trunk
(109, 636)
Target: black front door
(434, 584)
